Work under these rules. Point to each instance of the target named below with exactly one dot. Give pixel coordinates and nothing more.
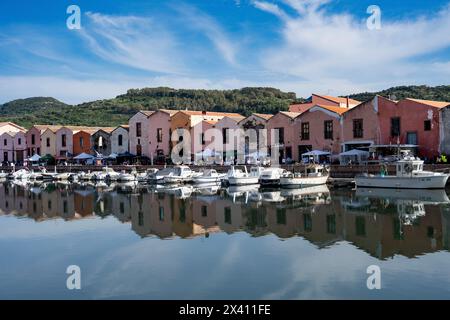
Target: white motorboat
(409, 175)
(107, 173)
(209, 176)
(426, 196)
(123, 176)
(147, 175)
(270, 177)
(36, 175)
(313, 176)
(22, 174)
(317, 194)
(179, 174)
(66, 176)
(3, 175)
(158, 176)
(236, 177)
(273, 196)
(47, 175)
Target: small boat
(46, 175)
(270, 177)
(209, 176)
(409, 175)
(313, 176)
(179, 174)
(22, 174)
(66, 176)
(107, 173)
(236, 177)
(123, 176)
(147, 175)
(158, 176)
(3, 175)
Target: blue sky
(305, 46)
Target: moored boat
(313, 175)
(409, 175)
(236, 177)
(209, 176)
(270, 177)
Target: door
(5, 156)
(138, 150)
(289, 153)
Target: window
(161, 213)
(138, 129)
(395, 127)
(280, 135)
(140, 218)
(19, 141)
(225, 135)
(360, 224)
(331, 223)
(122, 207)
(5, 142)
(159, 135)
(49, 205)
(63, 140)
(65, 209)
(307, 222)
(48, 142)
(120, 138)
(427, 125)
(227, 214)
(204, 211)
(281, 216)
(328, 129)
(202, 138)
(305, 131)
(358, 128)
(33, 139)
(81, 142)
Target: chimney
(348, 105)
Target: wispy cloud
(318, 44)
(201, 21)
(132, 41)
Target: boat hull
(240, 181)
(430, 182)
(301, 182)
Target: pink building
(204, 136)
(64, 143)
(384, 121)
(324, 100)
(319, 128)
(139, 133)
(13, 147)
(228, 127)
(34, 140)
(160, 132)
(282, 126)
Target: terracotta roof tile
(437, 104)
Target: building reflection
(382, 224)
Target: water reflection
(381, 222)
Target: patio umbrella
(34, 158)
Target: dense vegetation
(111, 112)
(439, 93)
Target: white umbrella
(83, 156)
(34, 158)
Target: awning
(34, 158)
(83, 156)
(316, 153)
(355, 152)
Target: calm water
(211, 243)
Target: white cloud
(318, 45)
(211, 29)
(132, 41)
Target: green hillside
(112, 112)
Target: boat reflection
(381, 222)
